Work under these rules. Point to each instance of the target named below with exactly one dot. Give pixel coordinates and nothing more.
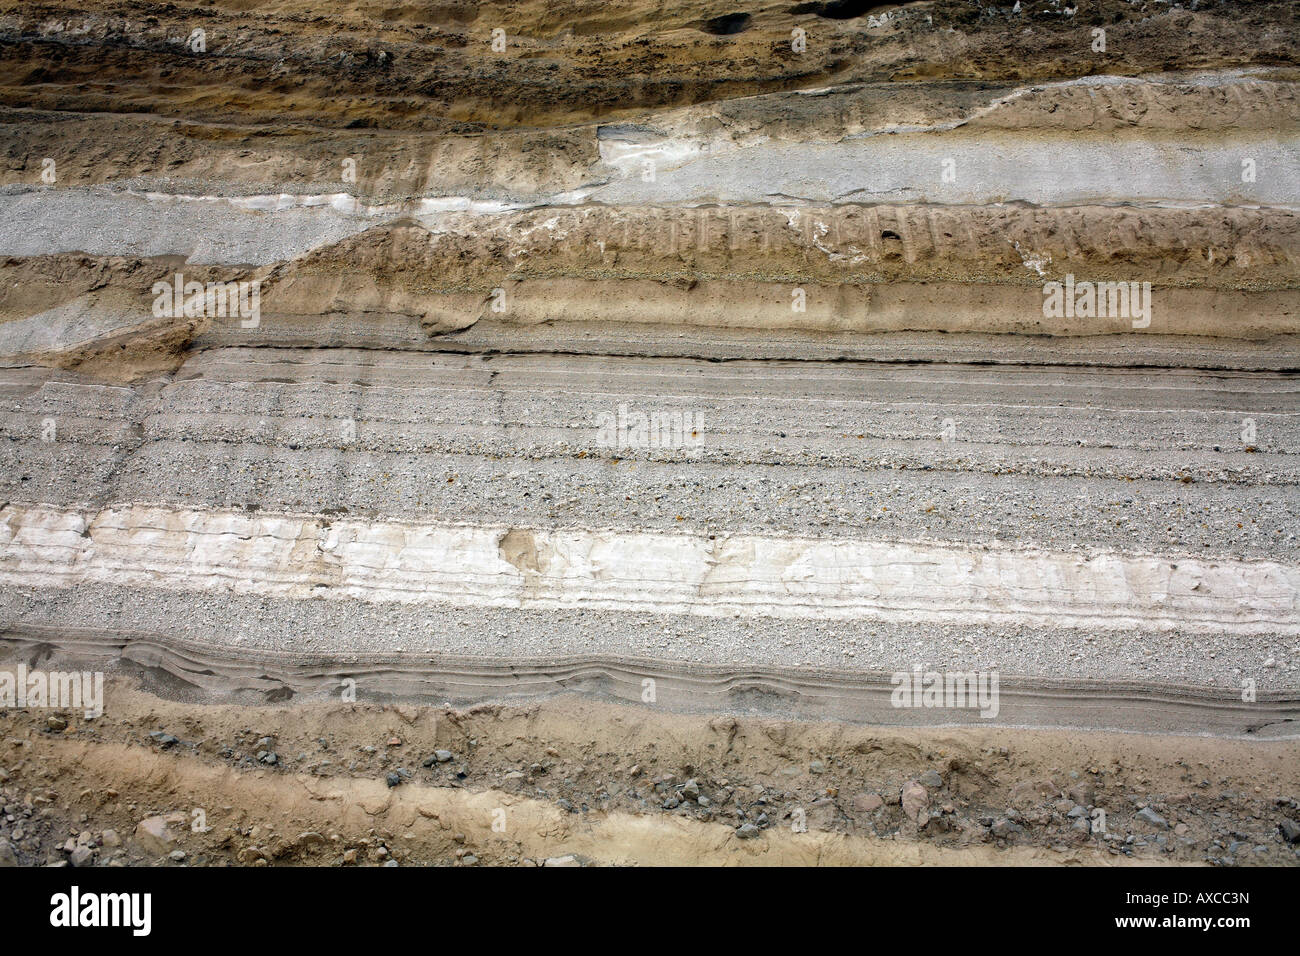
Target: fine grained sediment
(829, 269)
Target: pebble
(915, 799)
(867, 802)
(1006, 829)
(1147, 815)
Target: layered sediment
(959, 334)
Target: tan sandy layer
(580, 778)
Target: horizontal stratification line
(748, 575)
(183, 666)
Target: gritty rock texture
(776, 368)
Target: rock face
(815, 360)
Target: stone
(1147, 815)
(1082, 793)
(154, 835)
(1005, 829)
(867, 802)
(823, 815)
(931, 780)
(915, 799)
(747, 831)
(1290, 830)
(110, 839)
(568, 860)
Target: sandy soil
(575, 781)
